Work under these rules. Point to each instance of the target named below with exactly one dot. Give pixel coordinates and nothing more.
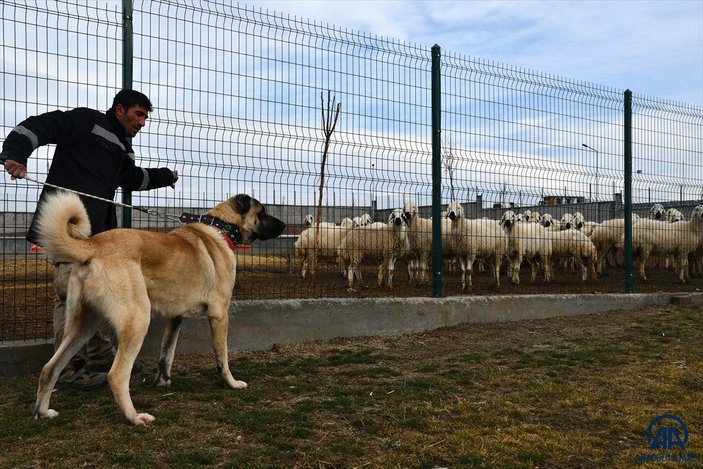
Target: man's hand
(175, 178)
(15, 169)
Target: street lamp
(597, 192)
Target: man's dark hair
(129, 98)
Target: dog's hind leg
(80, 327)
(219, 324)
(168, 350)
(130, 329)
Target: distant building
(562, 200)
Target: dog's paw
(160, 381)
(143, 419)
(236, 384)
(49, 414)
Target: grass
(570, 392)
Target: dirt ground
(27, 293)
(554, 393)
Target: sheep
(330, 238)
(547, 221)
(527, 241)
(470, 239)
(657, 212)
(362, 220)
(567, 221)
(607, 238)
(588, 228)
(573, 244)
(347, 223)
(678, 239)
(420, 238)
(366, 242)
(579, 221)
(673, 215)
(310, 220)
(530, 216)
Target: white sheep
(607, 237)
(362, 220)
(366, 242)
(547, 221)
(347, 223)
(579, 221)
(528, 241)
(331, 237)
(572, 244)
(588, 227)
(676, 239)
(310, 220)
(657, 212)
(472, 239)
(420, 239)
(567, 221)
(673, 215)
(530, 216)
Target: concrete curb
(259, 325)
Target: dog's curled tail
(63, 226)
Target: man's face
(132, 119)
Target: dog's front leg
(219, 323)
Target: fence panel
(239, 95)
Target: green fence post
(629, 285)
(436, 173)
(127, 67)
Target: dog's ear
(242, 203)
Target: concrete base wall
(259, 325)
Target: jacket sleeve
(144, 179)
(52, 127)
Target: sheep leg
(381, 267)
(496, 270)
(424, 268)
(351, 272)
(643, 261)
(469, 268)
(534, 268)
(579, 262)
(515, 267)
(391, 270)
(683, 272)
(304, 266)
(548, 270)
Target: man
(94, 156)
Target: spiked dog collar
(230, 232)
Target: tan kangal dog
(122, 276)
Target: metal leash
(148, 211)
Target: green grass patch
(571, 392)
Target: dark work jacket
(92, 155)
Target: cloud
(650, 47)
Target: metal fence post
(127, 67)
(629, 286)
(436, 173)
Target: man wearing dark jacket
(94, 156)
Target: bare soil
(26, 304)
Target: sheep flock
(549, 246)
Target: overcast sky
(654, 48)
